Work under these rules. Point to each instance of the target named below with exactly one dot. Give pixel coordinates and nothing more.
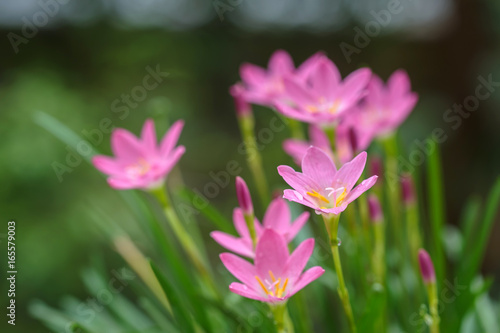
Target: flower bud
(244, 198)
(240, 103)
(408, 190)
(376, 214)
(426, 267)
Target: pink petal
(298, 198)
(298, 181)
(399, 83)
(355, 83)
(240, 268)
(253, 75)
(125, 146)
(297, 226)
(364, 186)
(240, 224)
(296, 149)
(318, 166)
(171, 137)
(123, 184)
(148, 137)
(107, 165)
(237, 245)
(281, 63)
(294, 113)
(318, 137)
(325, 78)
(309, 276)
(298, 92)
(271, 254)
(350, 172)
(375, 91)
(244, 291)
(298, 260)
(277, 216)
(172, 160)
(308, 66)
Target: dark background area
(91, 52)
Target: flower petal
(253, 75)
(325, 78)
(171, 137)
(148, 137)
(349, 173)
(240, 268)
(271, 254)
(237, 245)
(298, 181)
(399, 83)
(107, 165)
(277, 216)
(281, 63)
(247, 292)
(125, 146)
(360, 189)
(296, 149)
(298, 259)
(297, 226)
(309, 276)
(318, 166)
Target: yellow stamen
(312, 108)
(319, 196)
(333, 109)
(277, 287)
(341, 198)
(272, 276)
(262, 285)
(282, 290)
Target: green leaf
(181, 314)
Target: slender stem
(413, 234)
(282, 319)
(249, 219)
(433, 305)
(254, 159)
(332, 224)
(184, 238)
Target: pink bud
(240, 103)
(376, 214)
(426, 267)
(408, 189)
(244, 198)
(376, 167)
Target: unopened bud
(376, 214)
(244, 198)
(426, 267)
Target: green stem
(184, 238)
(249, 219)
(295, 128)
(254, 159)
(378, 259)
(332, 226)
(413, 234)
(433, 305)
(282, 319)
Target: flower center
(273, 288)
(338, 194)
(138, 169)
(324, 106)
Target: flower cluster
(275, 274)
(360, 107)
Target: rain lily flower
(385, 107)
(323, 98)
(263, 86)
(140, 163)
(275, 275)
(321, 186)
(277, 217)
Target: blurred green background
(77, 62)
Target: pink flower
(266, 86)
(323, 98)
(276, 275)
(277, 217)
(139, 163)
(386, 106)
(321, 186)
